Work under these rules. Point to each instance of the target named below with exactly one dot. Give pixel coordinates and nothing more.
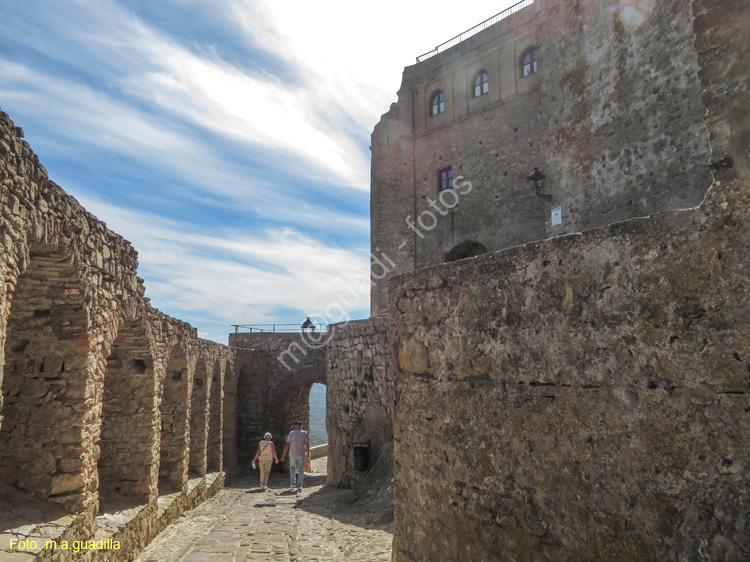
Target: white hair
(267, 436)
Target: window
(529, 64)
(445, 178)
(437, 103)
(481, 84)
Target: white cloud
(79, 113)
(353, 53)
(237, 276)
(152, 69)
(268, 113)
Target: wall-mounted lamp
(538, 178)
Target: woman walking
(265, 454)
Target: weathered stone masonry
(359, 399)
(273, 394)
(104, 399)
(588, 396)
(276, 371)
(613, 118)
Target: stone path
(241, 523)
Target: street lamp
(537, 178)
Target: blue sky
(228, 140)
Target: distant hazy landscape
(318, 434)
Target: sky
(227, 140)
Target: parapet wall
(103, 399)
(587, 397)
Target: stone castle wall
(359, 399)
(587, 397)
(612, 117)
(103, 399)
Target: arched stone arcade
(229, 419)
(89, 370)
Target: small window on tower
(481, 83)
(437, 103)
(445, 178)
(528, 63)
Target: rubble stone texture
(587, 397)
(128, 416)
(360, 399)
(198, 418)
(215, 412)
(174, 418)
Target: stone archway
(174, 417)
(45, 380)
(272, 388)
(199, 418)
(127, 437)
(291, 403)
(318, 411)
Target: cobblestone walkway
(242, 523)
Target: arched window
(529, 63)
(437, 103)
(481, 83)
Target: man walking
(298, 447)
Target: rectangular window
(445, 178)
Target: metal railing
(274, 328)
(474, 30)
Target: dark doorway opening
(464, 250)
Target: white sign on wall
(556, 216)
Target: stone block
(66, 482)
